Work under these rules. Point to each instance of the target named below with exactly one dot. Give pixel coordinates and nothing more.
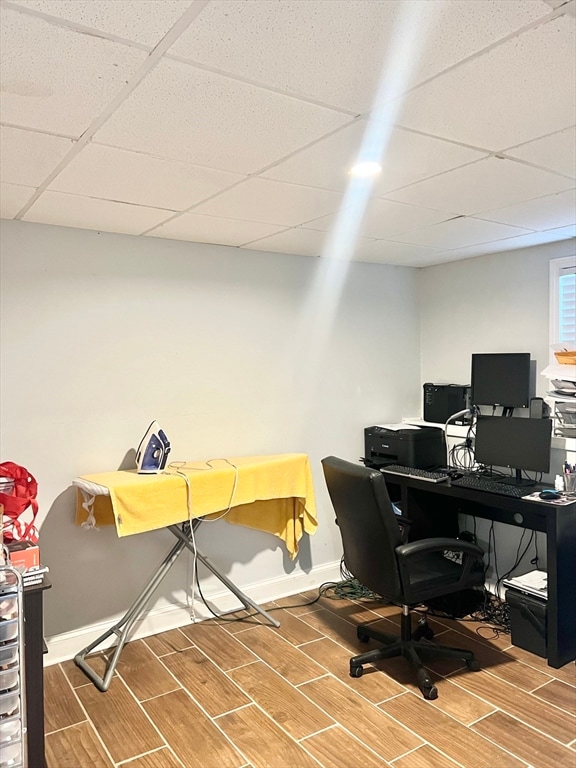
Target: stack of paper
(534, 583)
(562, 397)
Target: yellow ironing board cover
(274, 494)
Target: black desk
(434, 507)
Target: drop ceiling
(236, 122)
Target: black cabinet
(34, 650)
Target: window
(563, 300)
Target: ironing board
(268, 493)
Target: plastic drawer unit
(12, 689)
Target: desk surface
(531, 514)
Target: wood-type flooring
(243, 694)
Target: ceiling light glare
(365, 170)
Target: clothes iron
(152, 451)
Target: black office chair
(407, 574)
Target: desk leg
(244, 599)
(123, 627)
(561, 549)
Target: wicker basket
(566, 358)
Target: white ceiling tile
(488, 184)
(131, 177)
(539, 238)
(89, 213)
(293, 45)
(556, 152)
(384, 218)
(55, 79)
(27, 157)
(13, 197)
(186, 134)
(326, 163)
(270, 201)
(548, 212)
(518, 91)
(144, 21)
(284, 45)
(459, 233)
(211, 229)
(561, 233)
(511, 244)
(407, 157)
(185, 113)
(304, 242)
(401, 254)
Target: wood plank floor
(247, 695)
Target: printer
(421, 448)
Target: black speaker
(443, 400)
(539, 409)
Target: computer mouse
(455, 475)
(548, 494)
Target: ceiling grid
(236, 122)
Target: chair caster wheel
(473, 665)
(356, 671)
(361, 635)
(430, 693)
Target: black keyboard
(492, 486)
(420, 474)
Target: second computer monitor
(501, 379)
(522, 444)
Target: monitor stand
(518, 480)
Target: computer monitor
(522, 444)
(501, 379)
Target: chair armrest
(438, 545)
(470, 573)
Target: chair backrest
(368, 525)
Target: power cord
(348, 588)
(494, 610)
(461, 455)
(178, 468)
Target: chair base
(410, 647)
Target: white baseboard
(66, 645)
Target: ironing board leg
(244, 599)
(123, 627)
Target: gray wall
(494, 303)
(233, 352)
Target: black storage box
(443, 400)
(527, 621)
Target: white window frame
(557, 268)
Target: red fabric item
(15, 504)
